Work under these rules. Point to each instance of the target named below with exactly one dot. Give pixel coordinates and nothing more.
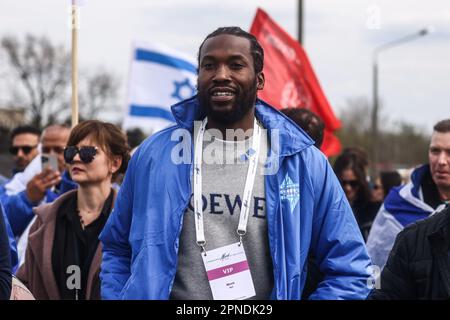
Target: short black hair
(442, 126)
(390, 179)
(135, 137)
(308, 121)
(24, 129)
(256, 50)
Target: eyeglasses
(87, 153)
(352, 183)
(57, 150)
(377, 187)
(25, 149)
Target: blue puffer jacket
(140, 239)
(19, 209)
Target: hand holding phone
(40, 183)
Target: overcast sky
(339, 37)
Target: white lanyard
(248, 189)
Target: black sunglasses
(352, 183)
(25, 149)
(87, 153)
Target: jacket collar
(441, 230)
(292, 138)
(417, 177)
(41, 242)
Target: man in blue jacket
(263, 198)
(44, 187)
(19, 206)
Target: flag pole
(74, 63)
(300, 21)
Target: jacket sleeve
(337, 242)
(12, 242)
(116, 263)
(394, 283)
(5, 262)
(25, 272)
(19, 210)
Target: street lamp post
(375, 106)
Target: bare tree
(356, 124)
(42, 71)
(401, 143)
(99, 94)
(42, 86)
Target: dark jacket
(5, 261)
(365, 212)
(418, 266)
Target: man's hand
(37, 186)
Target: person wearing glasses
(43, 186)
(24, 143)
(385, 181)
(63, 256)
(351, 173)
(35, 186)
(23, 147)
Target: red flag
(290, 78)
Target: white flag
(159, 77)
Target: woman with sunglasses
(350, 170)
(64, 255)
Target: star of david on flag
(159, 78)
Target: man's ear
(260, 80)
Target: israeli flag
(159, 77)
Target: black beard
(245, 101)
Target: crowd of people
(81, 219)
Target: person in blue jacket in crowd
(154, 244)
(44, 187)
(5, 261)
(19, 208)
